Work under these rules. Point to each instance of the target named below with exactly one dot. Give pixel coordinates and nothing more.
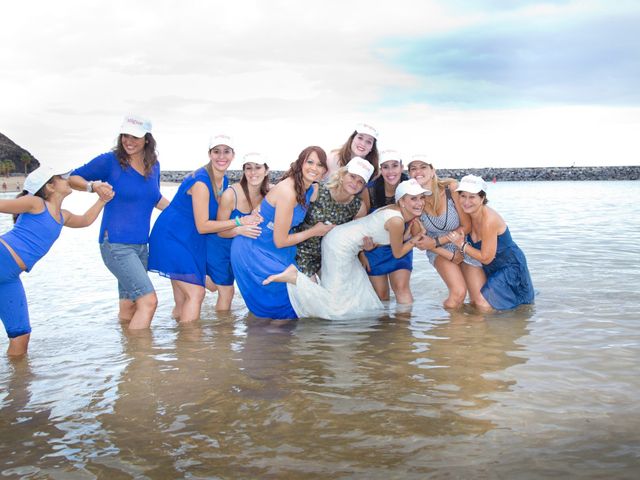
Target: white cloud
(280, 75)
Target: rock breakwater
(500, 174)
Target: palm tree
(25, 158)
(9, 167)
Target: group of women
(330, 239)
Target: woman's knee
(148, 302)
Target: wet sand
(11, 184)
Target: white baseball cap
(472, 184)
(359, 166)
(388, 155)
(419, 157)
(410, 187)
(221, 139)
(136, 126)
(41, 175)
(253, 157)
(367, 129)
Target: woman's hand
(368, 244)
(104, 190)
(458, 257)
(456, 238)
(321, 229)
(425, 242)
(364, 260)
(253, 219)
(249, 231)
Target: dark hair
(345, 154)
(40, 193)
(483, 195)
(295, 170)
(264, 186)
(150, 154)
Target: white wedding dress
(344, 290)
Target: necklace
(446, 217)
(217, 193)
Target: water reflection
(29, 440)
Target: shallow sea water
(544, 391)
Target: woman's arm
(224, 213)
(200, 196)
(284, 202)
(395, 227)
(490, 229)
(78, 221)
(366, 199)
(362, 211)
(24, 204)
(162, 203)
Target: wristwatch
(90, 187)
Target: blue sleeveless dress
(508, 280)
(219, 253)
(176, 249)
(217, 247)
(253, 260)
(381, 259)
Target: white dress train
(344, 290)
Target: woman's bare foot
(288, 275)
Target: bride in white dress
(345, 290)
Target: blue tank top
(33, 234)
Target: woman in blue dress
(284, 207)
(383, 268)
(132, 169)
(503, 282)
(178, 242)
(238, 200)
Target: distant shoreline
(526, 174)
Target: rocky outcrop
(10, 151)
(500, 174)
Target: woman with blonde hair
(344, 290)
(337, 203)
(443, 216)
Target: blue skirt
(382, 261)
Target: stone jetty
(500, 174)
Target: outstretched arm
(25, 204)
(78, 221)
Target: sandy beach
(11, 183)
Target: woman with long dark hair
(238, 200)
(363, 143)
(284, 207)
(39, 218)
(180, 240)
(132, 169)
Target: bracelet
(238, 222)
(438, 244)
(453, 256)
(89, 187)
(464, 245)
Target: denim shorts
(128, 263)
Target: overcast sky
(470, 83)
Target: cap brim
(136, 132)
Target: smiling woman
(285, 206)
(132, 169)
(345, 290)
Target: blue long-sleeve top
(126, 218)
